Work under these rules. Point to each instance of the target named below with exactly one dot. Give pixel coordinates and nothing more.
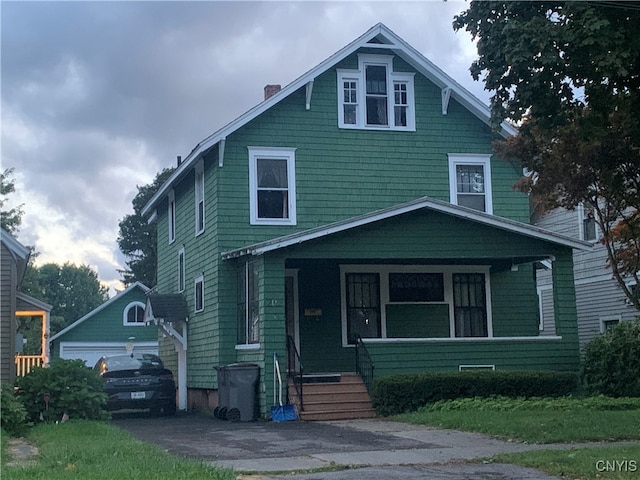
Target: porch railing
(294, 369)
(24, 363)
(364, 363)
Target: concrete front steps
(332, 397)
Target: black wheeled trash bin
(238, 391)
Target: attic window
(375, 97)
(134, 314)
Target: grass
(605, 463)
(564, 420)
(92, 450)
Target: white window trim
(199, 196)
(384, 270)
(581, 219)
(285, 153)
(198, 279)
(125, 314)
(392, 77)
(182, 271)
(608, 318)
(171, 215)
(456, 159)
(540, 290)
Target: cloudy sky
(97, 97)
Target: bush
(611, 364)
(13, 415)
(72, 388)
(405, 393)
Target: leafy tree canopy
(10, 219)
(137, 237)
(569, 74)
(72, 291)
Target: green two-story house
(360, 204)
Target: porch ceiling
(426, 204)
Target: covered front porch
(425, 285)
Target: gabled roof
(19, 252)
(119, 295)
(440, 206)
(379, 36)
(168, 307)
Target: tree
(11, 219)
(72, 291)
(137, 237)
(569, 74)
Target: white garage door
(91, 352)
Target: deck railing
(24, 363)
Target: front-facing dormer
(375, 96)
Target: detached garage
(114, 328)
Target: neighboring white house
(601, 303)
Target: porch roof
(428, 203)
(166, 308)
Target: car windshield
(127, 362)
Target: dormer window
(375, 97)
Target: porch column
(564, 305)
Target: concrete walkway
(367, 449)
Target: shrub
(404, 393)
(70, 387)
(13, 415)
(611, 364)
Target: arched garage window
(134, 314)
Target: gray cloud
(99, 96)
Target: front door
(291, 310)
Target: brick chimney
(270, 90)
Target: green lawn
(92, 450)
(565, 420)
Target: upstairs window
(272, 186)
(199, 189)
(171, 214)
(588, 227)
(134, 314)
(374, 96)
(470, 181)
(181, 270)
(198, 293)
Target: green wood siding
(419, 321)
(107, 325)
(342, 173)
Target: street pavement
(370, 449)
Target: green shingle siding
(342, 173)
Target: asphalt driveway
(371, 449)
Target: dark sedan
(138, 381)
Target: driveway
(372, 449)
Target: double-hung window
(171, 215)
(588, 226)
(272, 186)
(199, 189)
(375, 96)
(199, 293)
(181, 269)
(470, 181)
(248, 313)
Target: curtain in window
(363, 305)
(273, 184)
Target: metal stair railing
(295, 370)
(364, 363)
